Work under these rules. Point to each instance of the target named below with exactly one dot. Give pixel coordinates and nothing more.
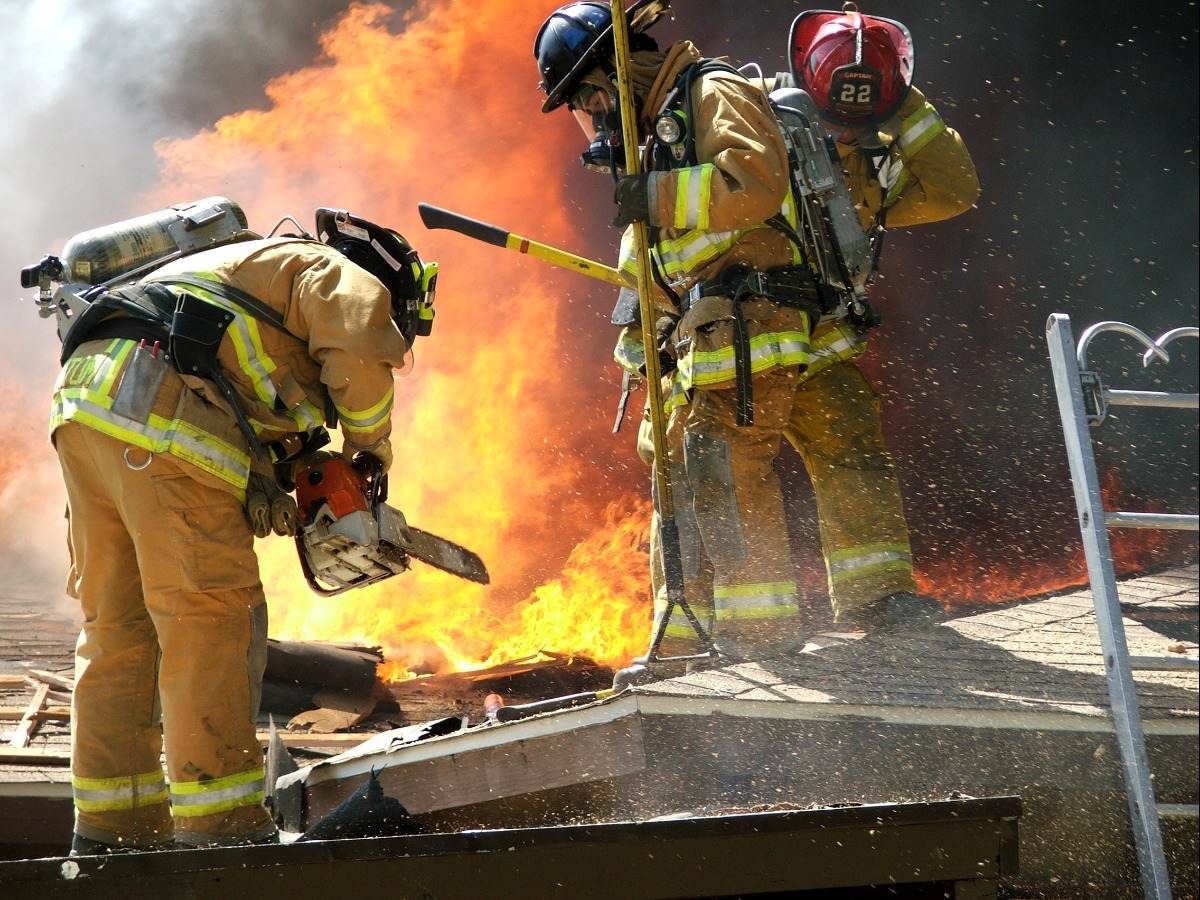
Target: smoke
(89, 86)
(1081, 117)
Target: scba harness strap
(188, 326)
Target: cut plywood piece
(508, 769)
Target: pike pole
(668, 529)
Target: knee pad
(708, 461)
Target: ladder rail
(1066, 363)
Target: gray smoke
(87, 88)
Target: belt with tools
(791, 286)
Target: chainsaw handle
(370, 467)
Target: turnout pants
(733, 534)
(173, 647)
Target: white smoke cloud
(88, 87)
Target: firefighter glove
(269, 509)
(381, 450)
(633, 200)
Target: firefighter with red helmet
(904, 166)
(758, 356)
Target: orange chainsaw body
(335, 482)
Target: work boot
(902, 611)
(912, 612)
(869, 616)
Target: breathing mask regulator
(390, 258)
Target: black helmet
(578, 37)
(390, 258)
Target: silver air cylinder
(103, 254)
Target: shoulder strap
(249, 303)
(145, 303)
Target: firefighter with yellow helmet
(182, 393)
(759, 351)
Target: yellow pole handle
(645, 284)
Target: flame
(500, 445)
(500, 434)
(976, 575)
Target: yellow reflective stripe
(115, 362)
(767, 351)
(889, 565)
(371, 412)
(838, 343)
(755, 600)
(158, 435)
(918, 129)
(629, 353)
(677, 397)
(862, 549)
(693, 192)
(897, 187)
(210, 786)
(369, 419)
(246, 338)
(867, 559)
(725, 591)
(122, 792)
(202, 798)
(683, 184)
(758, 612)
(216, 806)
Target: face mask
(606, 152)
(601, 123)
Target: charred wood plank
(325, 665)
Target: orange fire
(500, 433)
(978, 576)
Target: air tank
(103, 254)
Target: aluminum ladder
(1083, 402)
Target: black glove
(633, 200)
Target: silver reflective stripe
(157, 439)
(247, 340)
(364, 424)
(204, 798)
(695, 185)
(652, 207)
(913, 134)
(868, 559)
(841, 345)
(128, 792)
(756, 601)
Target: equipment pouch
(140, 384)
(704, 344)
(196, 332)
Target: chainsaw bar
(442, 554)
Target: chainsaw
(350, 538)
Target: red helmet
(857, 68)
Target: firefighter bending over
(758, 349)
(177, 395)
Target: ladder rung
(1163, 521)
(1151, 398)
(1180, 810)
(1164, 663)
